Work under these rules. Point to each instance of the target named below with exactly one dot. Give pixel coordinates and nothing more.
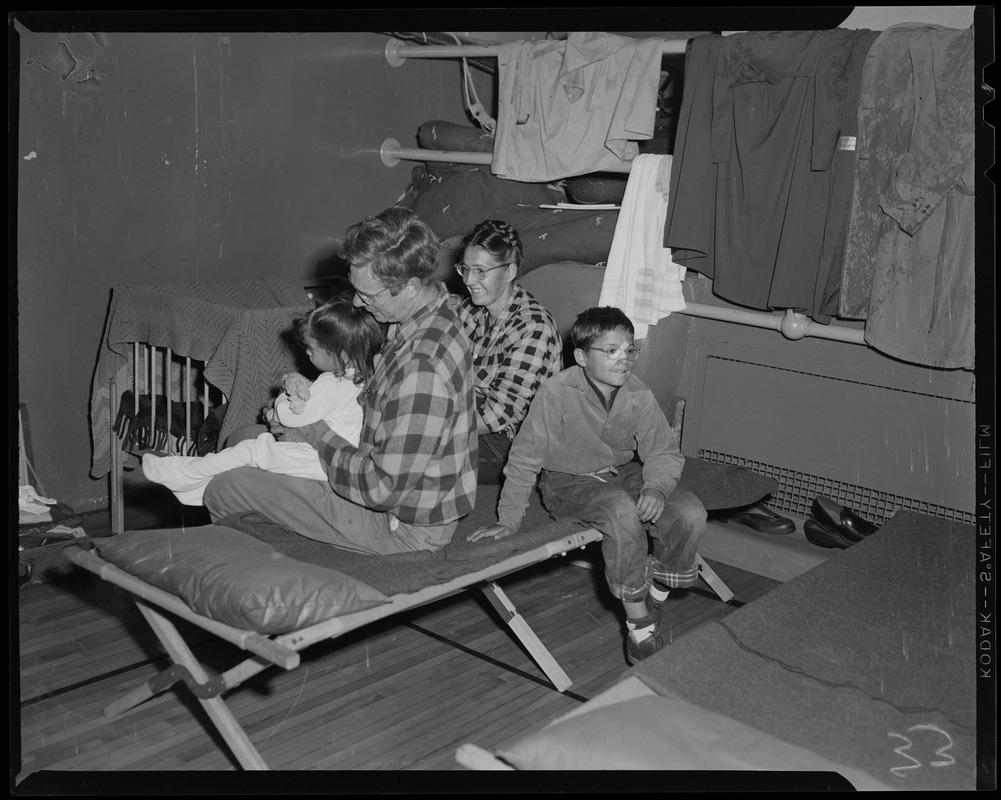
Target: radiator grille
(797, 490)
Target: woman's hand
(650, 505)
(490, 532)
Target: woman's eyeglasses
(615, 353)
(476, 273)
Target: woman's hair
(396, 244)
(344, 331)
(498, 239)
(595, 322)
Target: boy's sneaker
(637, 651)
(656, 605)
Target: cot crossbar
(283, 650)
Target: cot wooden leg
(524, 632)
(473, 757)
(708, 574)
(115, 499)
(179, 652)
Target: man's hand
(650, 505)
(311, 434)
(491, 532)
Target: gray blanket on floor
(867, 659)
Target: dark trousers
(608, 502)
(494, 448)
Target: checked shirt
(511, 358)
(418, 449)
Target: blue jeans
(608, 502)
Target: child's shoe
(657, 598)
(641, 637)
(637, 651)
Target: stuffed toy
(296, 386)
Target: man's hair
(595, 322)
(396, 244)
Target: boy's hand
(491, 532)
(650, 505)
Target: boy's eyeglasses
(477, 273)
(367, 298)
(615, 353)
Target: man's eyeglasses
(615, 353)
(476, 273)
(367, 298)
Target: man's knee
(221, 493)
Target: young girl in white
(341, 341)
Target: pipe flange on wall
(386, 152)
(391, 47)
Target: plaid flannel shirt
(418, 450)
(511, 358)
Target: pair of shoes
(822, 536)
(762, 519)
(637, 651)
(843, 520)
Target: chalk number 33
(947, 760)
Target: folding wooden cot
(274, 593)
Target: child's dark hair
(342, 329)
(498, 239)
(595, 322)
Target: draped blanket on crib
(240, 330)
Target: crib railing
(166, 405)
(166, 408)
(169, 407)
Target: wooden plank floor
(400, 695)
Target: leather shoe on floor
(825, 537)
(762, 519)
(844, 520)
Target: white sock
(177, 473)
(658, 594)
(639, 634)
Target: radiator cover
(876, 442)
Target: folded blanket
(238, 329)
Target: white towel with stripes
(641, 278)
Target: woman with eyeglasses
(516, 344)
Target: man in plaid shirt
(413, 474)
